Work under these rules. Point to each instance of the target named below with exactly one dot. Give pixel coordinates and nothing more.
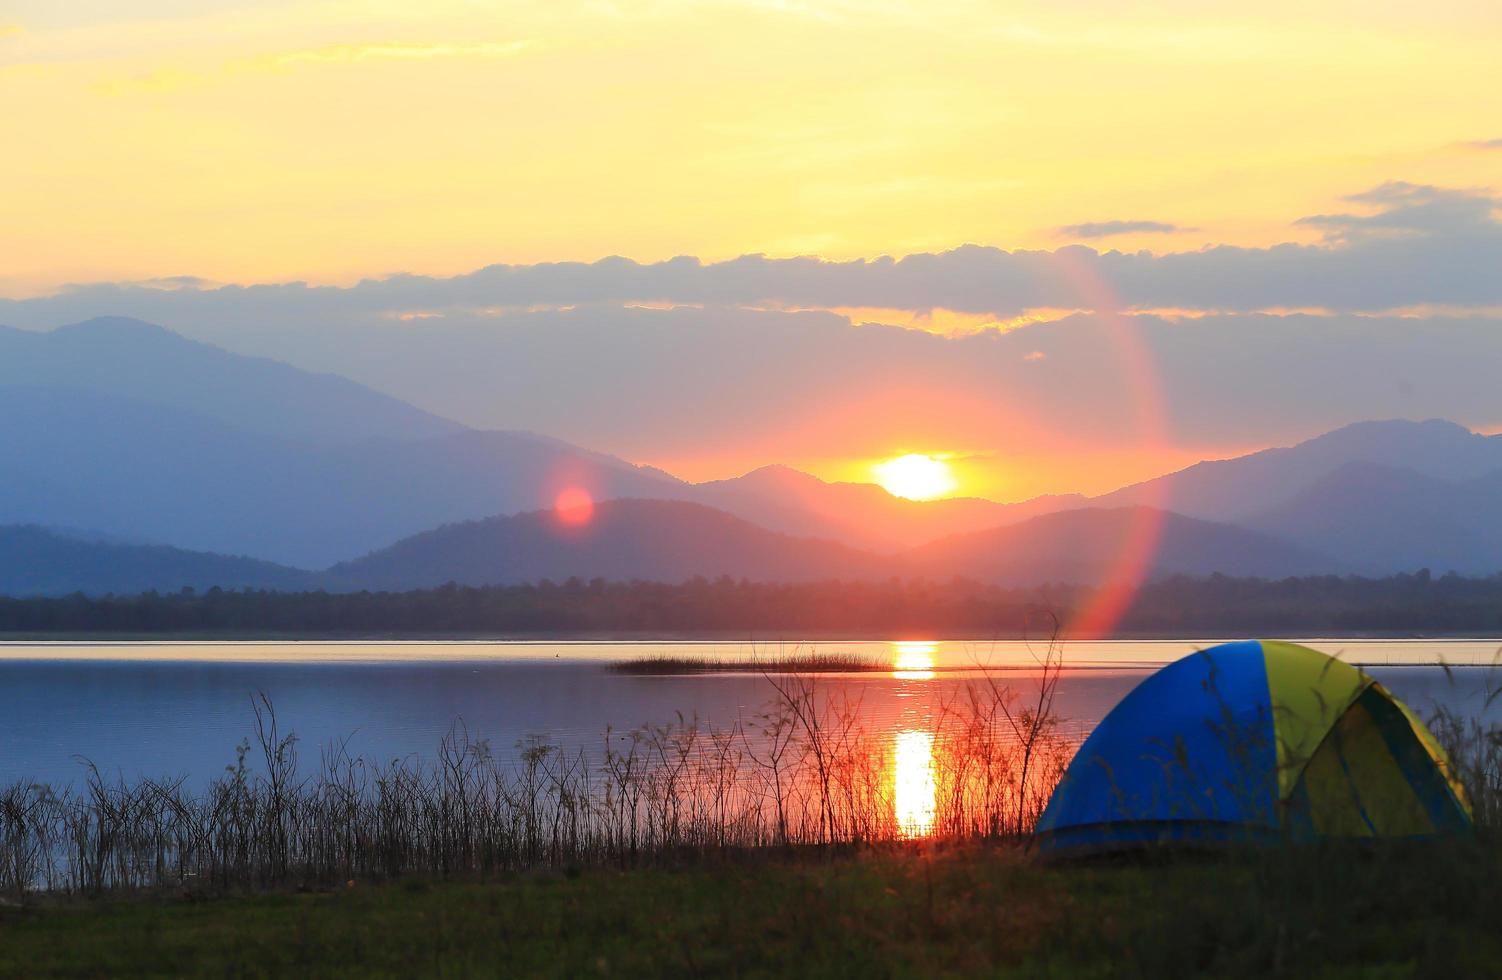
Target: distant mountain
(1236, 489)
(1233, 491)
(88, 535)
(1379, 519)
(1083, 546)
(144, 471)
(134, 432)
(653, 540)
(671, 541)
(36, 561)
(860, 514)
(150, 364)
(128, 428)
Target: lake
(178, 709)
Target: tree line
(1181, 606)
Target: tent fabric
(1310, 692)
(1255, 741)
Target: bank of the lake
(1213, 606)
(905, 910)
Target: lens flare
(913, 789)
(915, 476)
(574, 506)
(1148, 413)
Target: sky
(1063, 245)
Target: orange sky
(254, 141)
(329, 141)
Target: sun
(915, 476)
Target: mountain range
(187, 453)
(656, 540)
(48, 561)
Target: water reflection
(913, 660)
(914, 656)
(913, 790)
(179, 709)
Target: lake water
(179, 709)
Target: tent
(1255, 741)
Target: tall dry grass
(804, 770)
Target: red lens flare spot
(574, 506)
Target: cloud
(176, 282)
(174, 78)
(344, 53)
(685, 359)
(1412, 209)
(662, 385)
(1407, 246)
(1105, 229)
(1495, 144)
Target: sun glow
(913, 660)
(913, 789)
(915, 476)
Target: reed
(791, 663)
(803, 770)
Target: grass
(766, 849)
(898, 910)
(802, 770)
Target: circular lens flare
(574, 507)
(1112, 597)
(915, 476)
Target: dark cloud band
(1106, 229)
(1413, 246)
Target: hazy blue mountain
(147, 363)
(860, 514)
(130, 430)
(654, 540)
(1231, 491)
(1237, 489)
(1378, 519)
(1081, 546)
(144, 471)
(672, 541)
(37, 561)
(88, 535)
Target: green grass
(907, 911)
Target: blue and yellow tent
(1255, 741)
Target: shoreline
(707, 636)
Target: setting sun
(915, 476)
(913, 659)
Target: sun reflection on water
(913, 791)
(913, 660)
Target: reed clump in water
(792, 663)
(804, 770)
